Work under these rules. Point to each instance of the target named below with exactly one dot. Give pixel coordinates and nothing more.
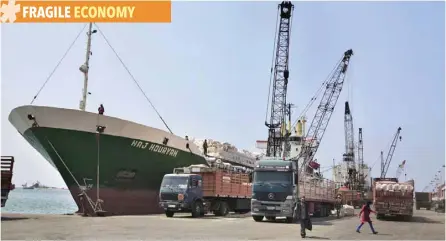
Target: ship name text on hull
(155, 148)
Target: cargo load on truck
(7, 165)
(438, 199)
(199, 189)
(423, 200)
(319, 194)
(393, 198)
(349, 197)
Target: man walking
(364, 214)
(305, 222)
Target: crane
(385, 164)
(324, 111)
(279, 79)
(349, 155)
(361, 176)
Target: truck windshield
(174, 182)
(273, 177)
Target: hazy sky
(208, 74)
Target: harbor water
(40, 201)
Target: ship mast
(85, 68)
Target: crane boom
(361, 160)
(385, 164)
(280, 81)
(349, 155)
(324, 111)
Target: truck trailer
(199, 189)
(274, 186)
(391, 198)
(423, 200)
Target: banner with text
(77, 11)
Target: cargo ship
(112, 166)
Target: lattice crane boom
(385, 164)
(361, 160)
(324, 111)
(280, 80)
(349, 155)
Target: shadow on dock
(13, 218)
(414, 219)
(316, 237)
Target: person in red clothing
(101, 110)
(364, 214)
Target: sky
(207, 73)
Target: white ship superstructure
(227, 153)
(340, 174)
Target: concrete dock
(425, 225)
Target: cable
(55, 68)
(133, 78)
(272, 65)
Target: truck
(274, 191)
(391, 198)
(199, 189)
(7, 165)
(423, 200)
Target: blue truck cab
(273, 189)
(181, 193)
(185, 191)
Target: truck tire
(270, 218)
(197, 209)
(418, 208)
(223, 209)
(258, 218)
(169, 214)
(379, 216)
(428, 208)
(289, 220)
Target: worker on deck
(205, 147)
(364, 214)
(187, 144)
(101, 110)
(305, 222)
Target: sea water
(40, 201)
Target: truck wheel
(270, 218)
(223, 209)
(428, 208)
(169, 214)
(289, 220)
(257, 218)
(418, 208)
(197, 209)
(379, 216)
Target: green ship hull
(117, 171)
